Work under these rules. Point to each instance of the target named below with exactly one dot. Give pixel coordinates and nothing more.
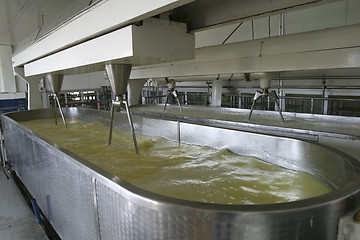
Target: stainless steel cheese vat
(82, 201)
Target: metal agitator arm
(53, 84)
(118, 102)
(118, 75)
(173, 92)
(266, 93)
(57, 102)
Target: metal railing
(299, 104)
(313, 105)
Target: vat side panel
(66, 193)
(19, 147)
(122, 217)
(286, 152)
(61, 185)
(156, 127)
(242, 143)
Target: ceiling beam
(203, 14)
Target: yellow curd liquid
(179, 170)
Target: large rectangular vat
(83, 201)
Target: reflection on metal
(118, 75)
(53, 84)
(172, 91)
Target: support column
(134, 91)
(216, 93)
(34, 95)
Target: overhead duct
(154, 41)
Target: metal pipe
(61, 111)
(166, 102)
(118, 103)
(277, 103)
(281, 24)
(55, 104)
(312, 106)
(131, 126)
(323, 94)
(178, 101)
(317, 77)
(111, 121)
(251, 111)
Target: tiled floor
(16, 218)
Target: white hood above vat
(155, 41)
(100, 18)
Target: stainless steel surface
(118, 103)
(53, 82)
(63, 184)
(112, 111)
(297, 125)
(131, 127)
(17, 222)
(118, 75)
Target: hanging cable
(232, 33)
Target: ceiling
(21, 18)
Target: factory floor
(17, 220)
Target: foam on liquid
(180, 170)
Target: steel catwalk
(83, 201)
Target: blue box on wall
(12, 105)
